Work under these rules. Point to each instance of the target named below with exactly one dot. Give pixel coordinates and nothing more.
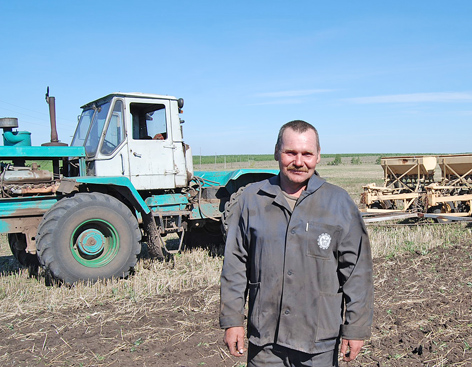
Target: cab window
(149, 121)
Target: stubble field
(166, 314)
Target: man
(298, 246)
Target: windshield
(90, 128)
(82, 128)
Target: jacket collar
(314, 183)
(272, 187)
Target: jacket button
(290, 272)
(287, 312)
(292, 231)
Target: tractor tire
(17, 243)
(209, 236)
(89, 236)
(230, 210)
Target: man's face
(297, 157)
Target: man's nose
(298, 160)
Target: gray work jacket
(308, 273)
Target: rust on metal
(27, 225)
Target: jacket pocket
(253, 305)
(321, 239)
(328, 316)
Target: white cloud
(415, 97)
(293, 93)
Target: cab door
(111, 158)
(150, 145)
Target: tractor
(84, 211)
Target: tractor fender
(233, 180)
(123, 185)
(217, 187)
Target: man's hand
(234, 340)
(354, 349)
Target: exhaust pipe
(51, 101)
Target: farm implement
(410, 189)
(83, 211)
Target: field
(166, 314)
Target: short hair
(299, 126)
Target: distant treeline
(212, 159)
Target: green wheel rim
(94, 243)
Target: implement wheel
(444, 208)
(88, 237)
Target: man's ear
(319, 157)
(276, 154)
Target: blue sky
(372, 76)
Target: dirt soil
(423, 317)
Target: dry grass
(20, 294)
(187, 286)
(388, 240)
(342, 175)
(189, 270)
(195, 269)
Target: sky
(371, 76)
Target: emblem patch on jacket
(324, 240)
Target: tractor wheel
(88, 236)
(230, 210)
(209, 236)
(17, 243)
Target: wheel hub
(91, 242)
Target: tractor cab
(138, 136)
